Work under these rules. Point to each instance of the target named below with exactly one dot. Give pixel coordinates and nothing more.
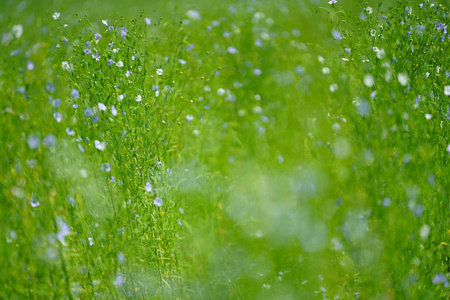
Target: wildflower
(33, 141)
(232, 50)
(96, 56)
(159, 71)
(189, 118)
(91, 241)
(368, 10)
(336, 35)
(105, 22)
(49, 140)
(31, 163)
(70, 131)
(369, 80)
(402, 78)
(169, 172)
(30, 66)
(81, 148)
(56, 15)
(147, 21)
(106, 167)
(57, 116)
(119, 64)
(100, 145)
(56, 103)
(65, 40)
(110, 62)
(447, 90)
(114, 110)
(97, 36)
(123, 32)
(121, 258)
(88, 112)
(95, 119)
(440, 278)
(193, 15)
(120, 97)
(119, 280)
(128, 73)
(158, 202)
(424, 231)
(111, 28)
(75, 93)
(50, 87)
(34, 202)
(332, 2)
(138, 98)
(64, 230)
(148, 187)
(65, 65)
(87, 51)
(101, 106)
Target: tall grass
(253, 150)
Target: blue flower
(49, 140)
(158, 202)
(56, 103)
(50, 87)
(123, 32)
(75, 93)
(106, 167)
(33, 141)
(148, 187)
(88, 112)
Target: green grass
(299, 150)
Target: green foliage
(250, 150)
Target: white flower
(101, 106)
(65, 65)
(105, 22)
(100, 145)
(138, 98)
(402, 78)
(193, 15)
(447, 90)
(369, 10)
(17, 31)
(56, 15)
(119, 64)
(159, 71)
(156, 93)
(369, 81)
(120, 97)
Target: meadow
(231, 150)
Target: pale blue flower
(158, 202)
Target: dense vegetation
(261, 150)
